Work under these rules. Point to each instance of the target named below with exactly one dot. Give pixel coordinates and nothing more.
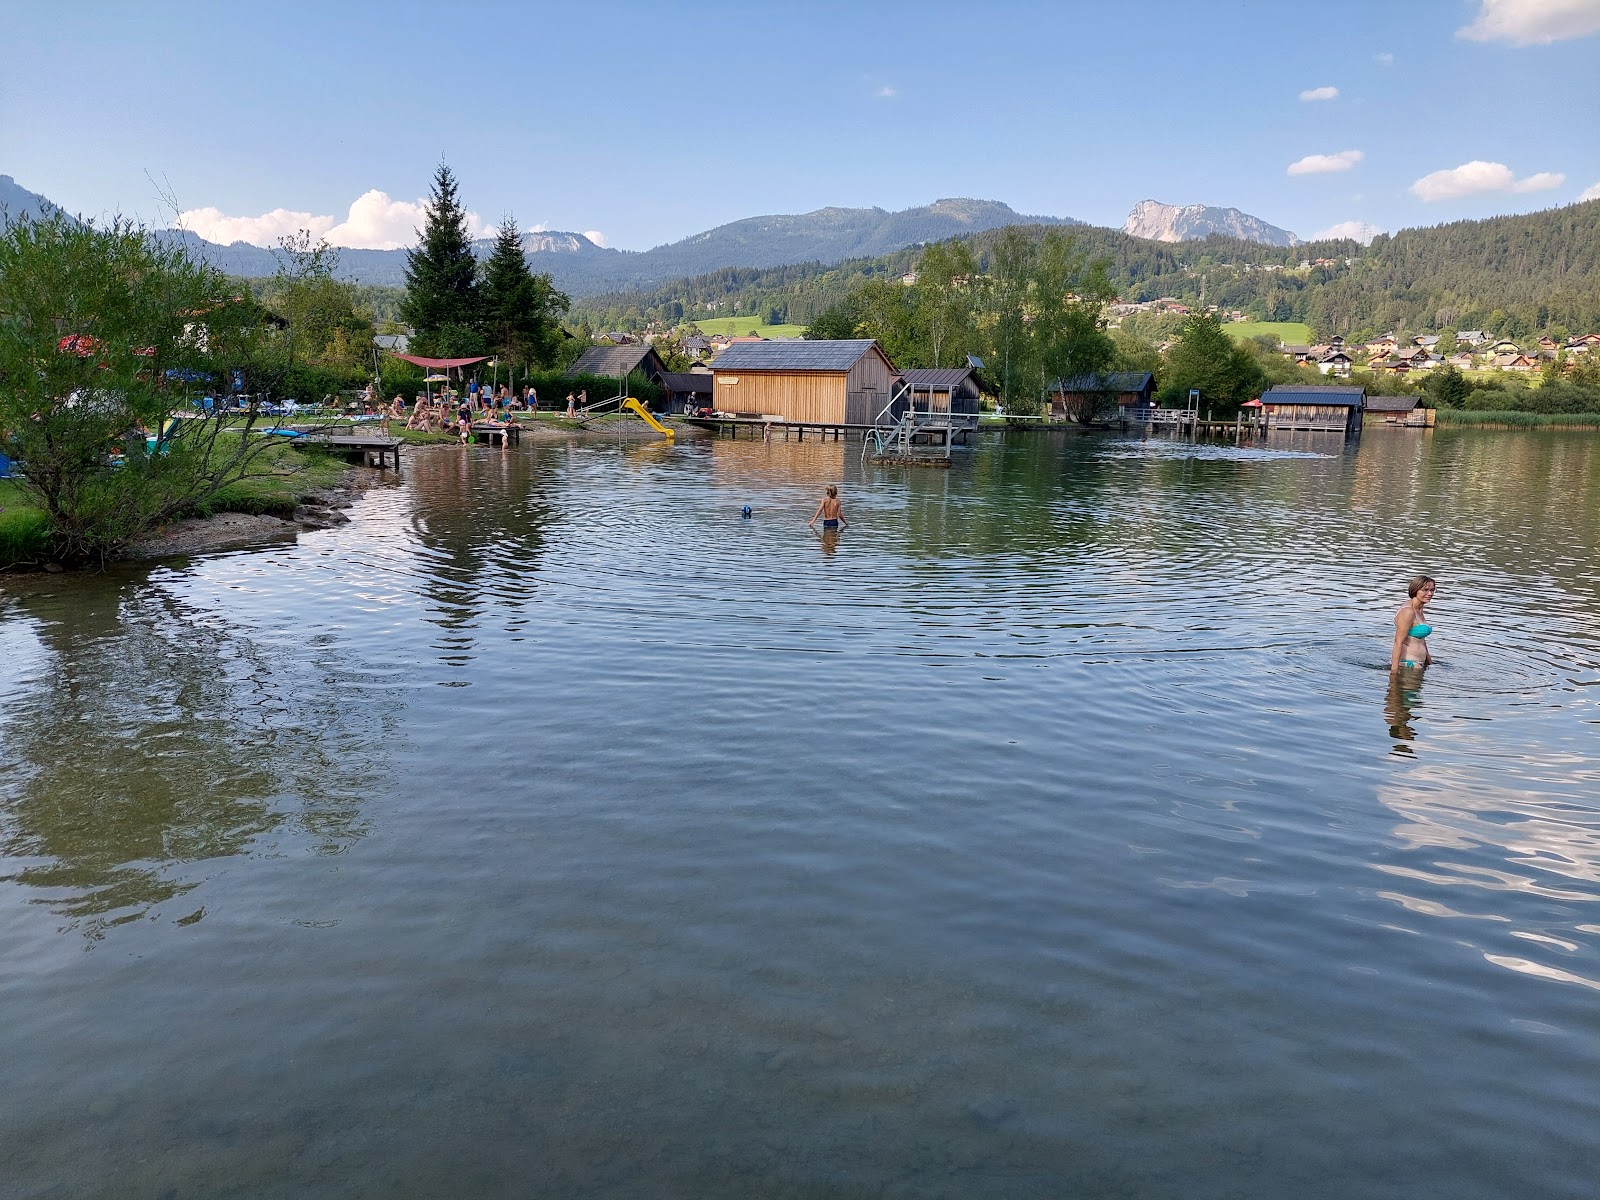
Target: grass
(1290, 333)
(24, 533)
(739, 326)
(292, 475)
(1519, 420)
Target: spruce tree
(441, 298)
(519, 309)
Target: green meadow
(1291, 333)
(740, 326)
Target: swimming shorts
(827, 524)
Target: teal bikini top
(1421, 631)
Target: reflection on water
(554, 829)
(155, 738)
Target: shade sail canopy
(439, 363)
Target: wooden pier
(373, 448)
(489, 434)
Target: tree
(1069, 293)
(1206, 358)
(946, 296)
(833, 324)
(885, 311)
(1447, 388)
(441, 301)
(1009, 265)
(326, 325)
(99, 327)
(520, 310)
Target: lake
(550, 830)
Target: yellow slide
(645, 415)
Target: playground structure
(630, 404)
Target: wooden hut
(844, 382)
(687, 391)
(1308, 408)
(1399, 410)
(619, 361)
(1085, 397)
(952, 390)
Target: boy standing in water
(1411, 628)
(830, 510)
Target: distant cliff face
(1178, 223)
(17, 202)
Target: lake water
(1055, 831)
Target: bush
(553, 387)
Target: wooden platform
(375, 449)
(503, 434)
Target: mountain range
(828, 235)
(1181, 223)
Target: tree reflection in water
(156, 738)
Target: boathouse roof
(839, 355)
(1294, 393)
(617, 361)
(1116, 382)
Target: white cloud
(216, 226)
(1477, 176)
(1533, 22)
(595, 236)
(1359, 231)
(1542, 182)
(885, 92)
(1590, 193)
(1384, 60)
(1322, 164)
(374, 221)
(1320, 93)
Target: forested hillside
(1510, 276)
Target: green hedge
(553, 387)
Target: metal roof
(794, 356)
(610, 360)
(1391, 404)
(936, 377)
(696, 382)
(1294, 393)
(1108, 381)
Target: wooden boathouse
(1298, 408)
(833, 383)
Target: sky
(641, 124)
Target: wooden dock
(373, 448)
(503, 434)
(759, 428)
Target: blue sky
(648, 122)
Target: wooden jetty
(506, 435)
(374, 449)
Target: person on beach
(570, 402)
(421, 416)
(830, 510)
(1411, 628)
(532, 400)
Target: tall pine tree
(441, 301)
(519, 309)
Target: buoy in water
(745, 512)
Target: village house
(847, 382)
(1336, 362)
(1471, 337)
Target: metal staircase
(918, 435)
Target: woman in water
(1411, 628)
